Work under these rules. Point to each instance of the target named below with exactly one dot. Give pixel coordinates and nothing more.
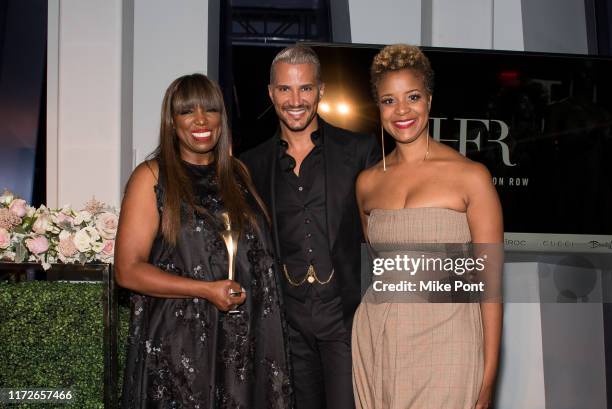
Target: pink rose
(66, 247)
(64, 219)
(5, 238)
(18, 207)
(109, 247)
(106, 224)
(37, 245)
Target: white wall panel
(169, 41)
(385, 21)
(462, 24)
(84, 100)
(508, 25)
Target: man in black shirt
(306, 175)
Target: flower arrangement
(63, 235)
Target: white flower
(82, 216)
(42, 224)
(84, 238)
(7, 255)
(41, 210)
(106, 223)
(6, 198)
(97, 246)
(85, 215)
(64, 235)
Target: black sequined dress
(184, 353)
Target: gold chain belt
(311, 276)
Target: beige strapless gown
(417, 355)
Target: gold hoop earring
(382, 141)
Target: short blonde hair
(297, 54)
(399, 57)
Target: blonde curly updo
(399, 57)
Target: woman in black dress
(184, 349)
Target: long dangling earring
(382, 140)
(427, 134)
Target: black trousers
(320, 348)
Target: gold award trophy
(230, 238)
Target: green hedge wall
(51, 336)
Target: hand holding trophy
(230, 238)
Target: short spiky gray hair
(297, 54)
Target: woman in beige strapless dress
(423, 355)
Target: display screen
(541, 123)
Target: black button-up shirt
(302, 220)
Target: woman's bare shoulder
(368, 177)
(444, 153)
(459, 164)
(145, 175)
(476, 174)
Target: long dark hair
(188, 92)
